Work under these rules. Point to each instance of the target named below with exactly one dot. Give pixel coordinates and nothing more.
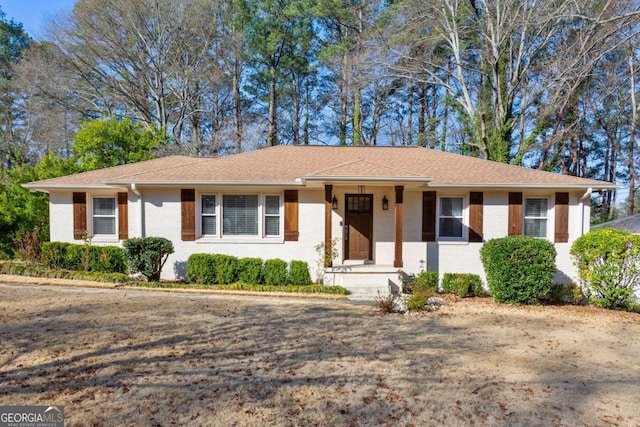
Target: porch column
(328, 196)
(397, 261)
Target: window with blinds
(451, 218)
(240, 215)
(535, 217)
(208, 215)
(272, 216)
(104, 216)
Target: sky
(34, 13)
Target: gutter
(137, 192)
(584, 197)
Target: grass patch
(239, 286)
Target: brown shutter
(476, 200)
(291, 216)
(188, 199)
(428, 216)
(562, 218)
(123, 216)
(515, 213)
(79, 215)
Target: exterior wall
(159, 214)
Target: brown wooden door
(359, 226)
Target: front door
(359, 226)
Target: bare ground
(135, 358)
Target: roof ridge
(195, 160)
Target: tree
(105, 143)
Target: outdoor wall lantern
(385, 203)
(334, 203)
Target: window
(451, 217)
(240, 215)
(272, 215)
(208, 215)
(104, 216)
(535, 217)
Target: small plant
(201, 268)
(299, 273)
(250, 270)
(325, 257)
(520, 269)
(226, 268)
(29, 245)
(462, 284)
(147, 255)
(275, 272)
(418, 300)
(386, 304)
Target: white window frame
(215, 214)
(266, 215)
(261, 236)
(463, 218)
(92, 215)
(546, 216)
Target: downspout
(136, 191)
(581, 204)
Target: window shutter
(428, 216)
(515, 213)
(562, 218)
(476, 211)
(123, 216)
(291, 231)
(188, 201)
(79, 215)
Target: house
(384, 208)
(628, 223)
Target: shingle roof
(289, 165)
(628, 223)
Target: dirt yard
(135, 358)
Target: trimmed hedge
(226, 268)
(275, 272)
(38, 270)
(425, 280)
(201, 268)
(462, 284)
(520, 269)
(80, 257)
(608, 262)
(299, 273)
(147, 255)
(250, 270)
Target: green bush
(226, 268)
(72, 256)
(426, 280)
(147, 255)
(201, 268)
(462, 284)
(419, 299)
(299, 273)
(38, 270)
(250, 270)
(275, 272)
(608, 262)
(520, 269)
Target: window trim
(242, 238)
(92, 215)
(547, 216)
(215, 215)
(465, 218)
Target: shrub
(72, 256)
(226, 268)
(520, 269)
(299, 273)
(426, 280)
(250, 270)
(29, 245)
(419, 299)
(462, 284)
(201, 268)
(608, 262)
(275, 272)
(147, 255)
